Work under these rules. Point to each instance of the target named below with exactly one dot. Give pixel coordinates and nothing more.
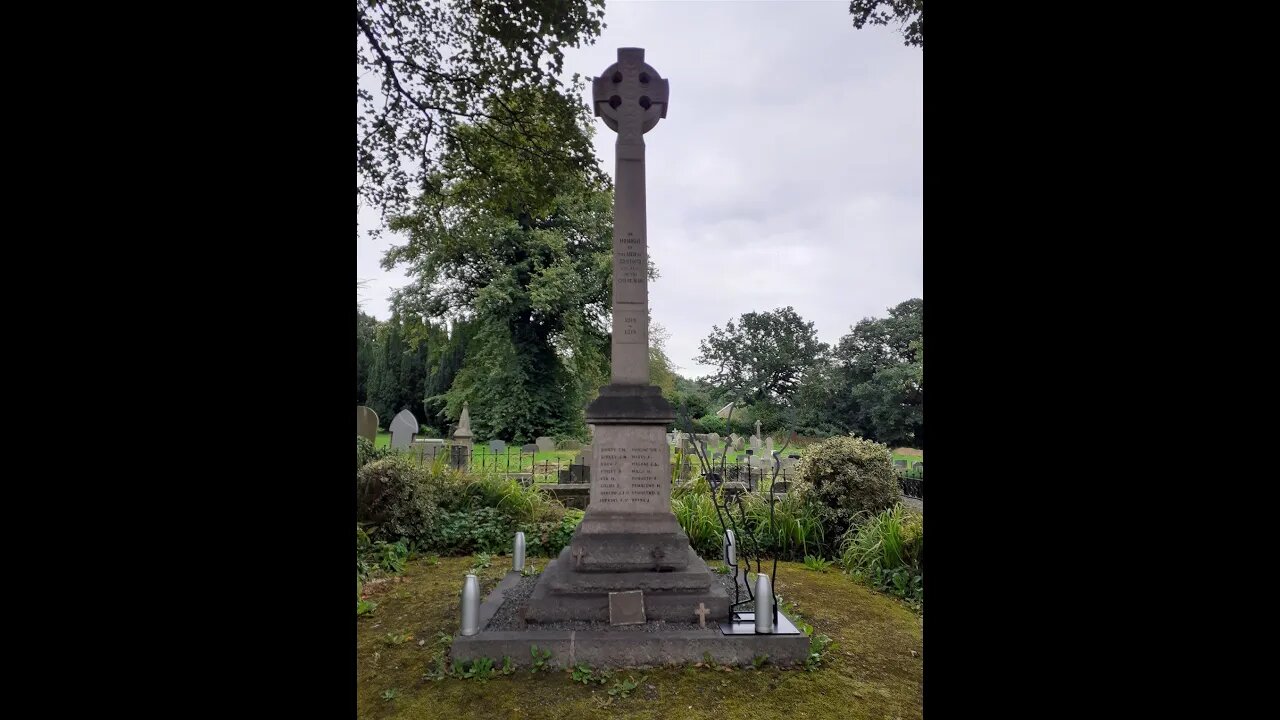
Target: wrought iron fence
(912, 483)
(513, 461)
(523, 465)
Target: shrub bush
(521, 502)
(478, 529)
(795, 529)
(548, 538)
(395, 498)
(888, 552)
(367, 453)
(696, 514)
(710, 423)
(851, 479)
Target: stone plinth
(629, 539)
(730, 641)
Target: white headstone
(545, 444)
(403, 427)
(426, 448)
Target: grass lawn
(911, 459)
(875, 669)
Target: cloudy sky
(789, 169)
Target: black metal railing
(524, 465)
(912, 483)
(513, 461)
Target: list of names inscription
(629, 478)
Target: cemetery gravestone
(366, 423)
(460, 451)
(545, 444)
(403, 427)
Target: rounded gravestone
(366, 423)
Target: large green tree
(908, 14)
(366, 331)
(444, 369)
(426, 68)
(522, 250)
(384, 371)
(880, 367)
(762, 356)
(824, 403)
(661, 371)
(403, 351)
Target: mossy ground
(874, 671)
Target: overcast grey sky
(789, 169)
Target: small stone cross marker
(701, 612)
(577, 557)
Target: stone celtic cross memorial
(629, 539)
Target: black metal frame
(912, 484)
(721, 502)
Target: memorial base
(732, 641)
(674, 596)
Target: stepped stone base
(562, 594)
